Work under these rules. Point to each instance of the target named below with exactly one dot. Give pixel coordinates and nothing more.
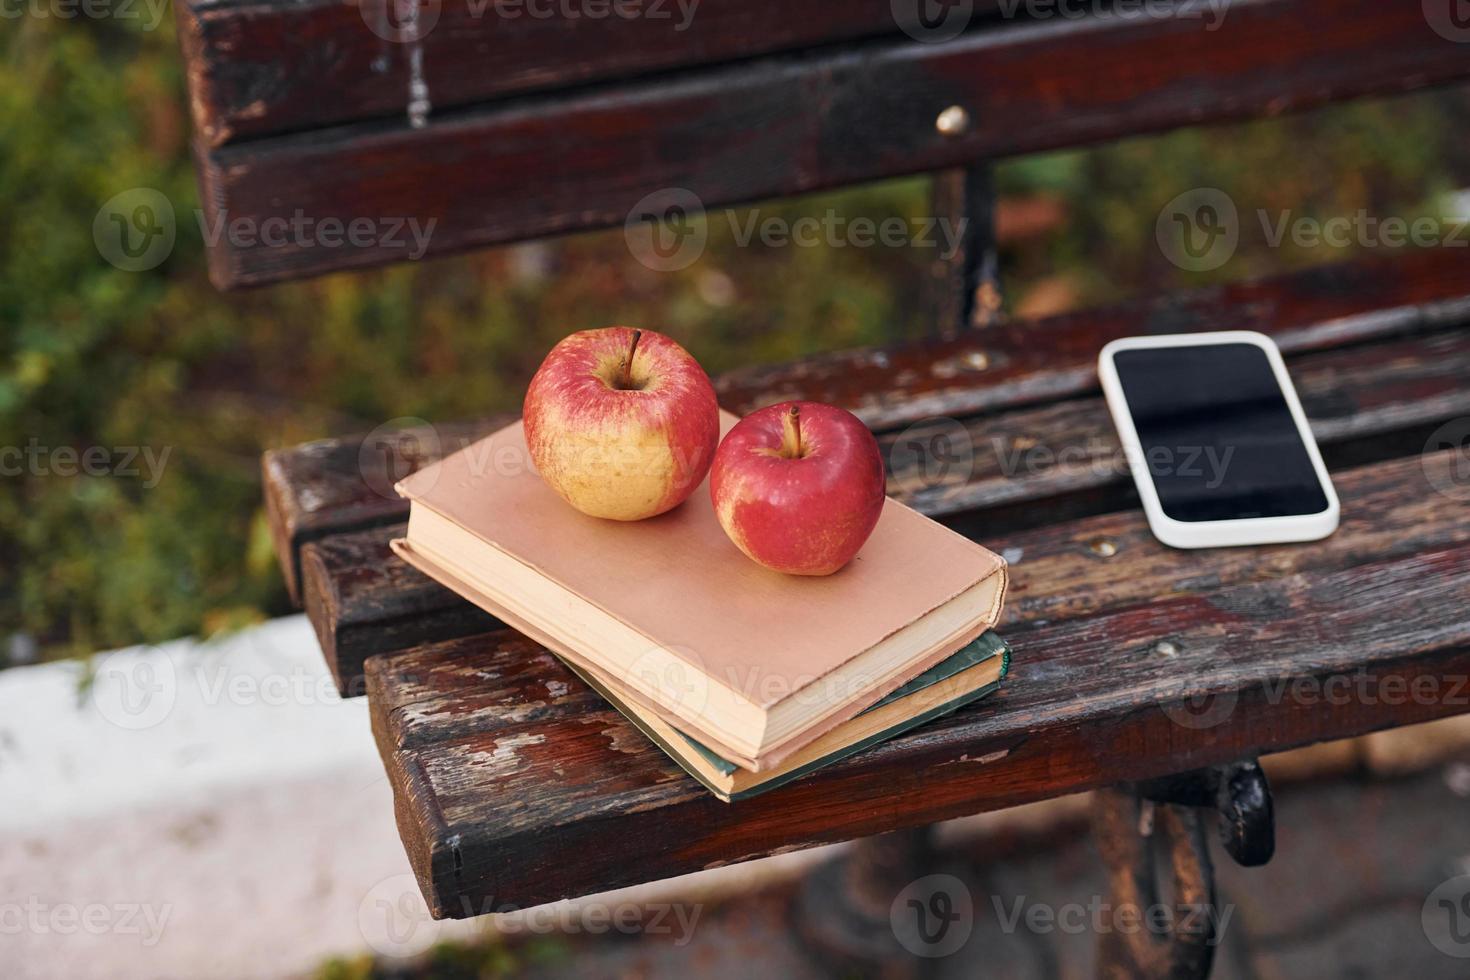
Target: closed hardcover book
(754, 664)
(967, 676)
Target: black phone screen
(1217, 435)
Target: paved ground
(1358, 863)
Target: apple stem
(793, 433)
(628, 361)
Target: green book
(968, 675)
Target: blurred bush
(91, 356)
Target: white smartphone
(1217, 440)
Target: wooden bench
(1156, 674)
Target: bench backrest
(505, 120)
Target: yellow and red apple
(799, 487)
(622, 423)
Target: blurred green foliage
(94, 356)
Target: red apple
(622, 423)
(799, 487)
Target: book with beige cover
(753, 664)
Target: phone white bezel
(1216, 534)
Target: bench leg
(1176, 938)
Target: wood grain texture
(776, 126)
(363, 600)
(335, 486)
(511, 778)
(261, 68)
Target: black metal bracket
(1239, 793)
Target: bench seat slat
(781, 126)
(514, 805)
(320, 489)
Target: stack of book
(745, 677)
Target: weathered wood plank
(273, 66)
(549, 165)
(364, 601)
(333, 486)
(508, 772)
